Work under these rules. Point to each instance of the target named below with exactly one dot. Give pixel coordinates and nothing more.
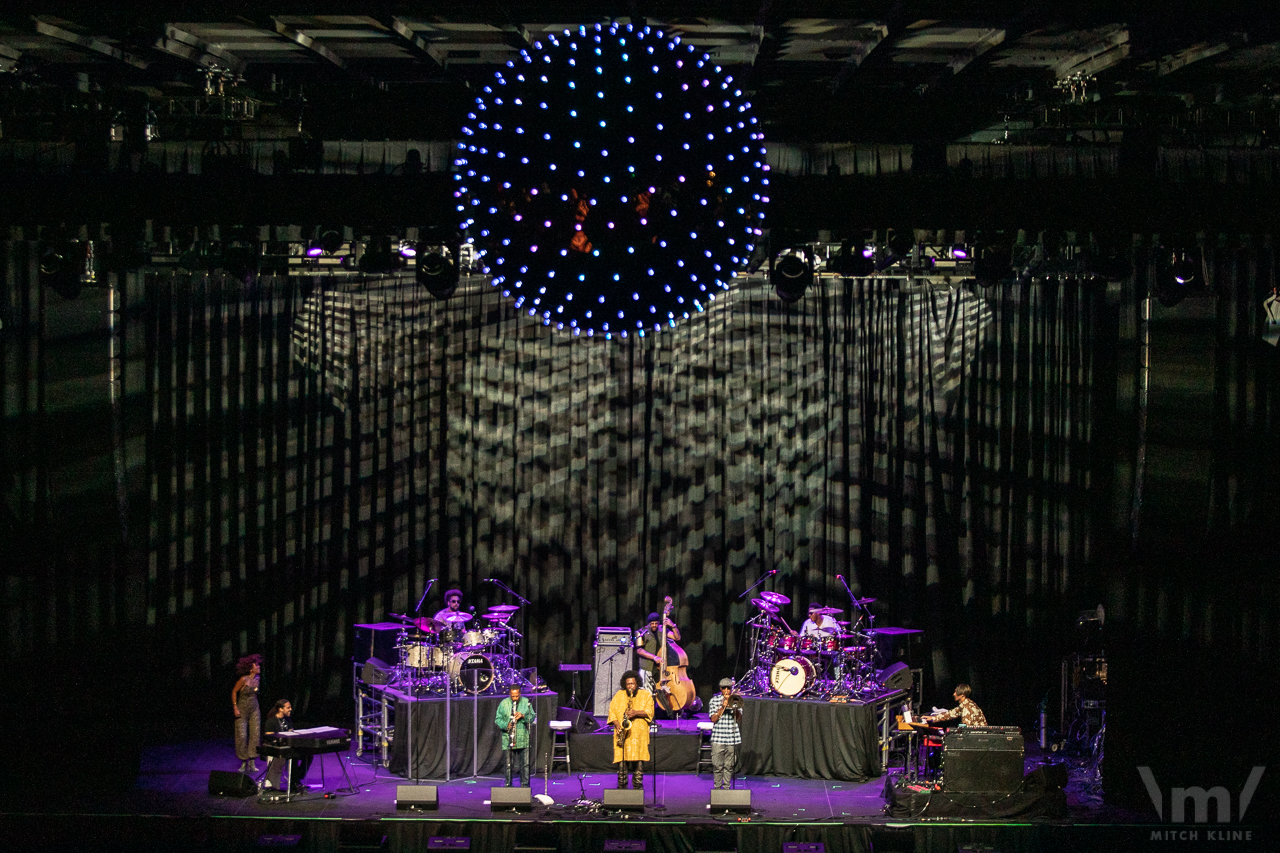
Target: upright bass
(675, 688)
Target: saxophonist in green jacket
(514, 718)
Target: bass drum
(471, 672)
(792, 676)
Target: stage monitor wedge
(226, 783)
(624, 799)
(730, 800)
(510, 799)
(420, 797)
(896, 676)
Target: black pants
(518, 766)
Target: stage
(170, 809)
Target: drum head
(792, 676)
(471, 671)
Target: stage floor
(170, 809)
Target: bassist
(649, 644)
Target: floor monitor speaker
(417, 797)
(502, 799)
(730, 800)
(624, 799)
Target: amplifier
(978, 760)
(614, 636)
(984, 737)
(614, 656)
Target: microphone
(472, 608)
(490, 580)
(773, 571)
(839, 577)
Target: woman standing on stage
(244, 703)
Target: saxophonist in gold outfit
(629, 714)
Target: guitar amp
(615, 654)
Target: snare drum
(792, 676)
(788, 643)
(829, 645)
(809, 644)
(471, 671)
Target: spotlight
(791, 275)
(437, 273)
(378, 257)
(960, 252)
(314, 249)
(331, 241)
(408, 250)
(1185, 270)
(991, 264)
(854, 261)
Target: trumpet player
(515, 715)
(629, 714)
(726, 712)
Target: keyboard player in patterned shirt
(966, 710)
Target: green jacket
(503, 718)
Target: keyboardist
(280, 720)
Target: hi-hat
(504, 608)
(764, 605)
(455, 618)
(775, 598)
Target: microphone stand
(523, 627)
(759, 581)
(422, 600)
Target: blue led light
(511, 201)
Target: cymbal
(423, 623)
(764, 605)
(775, 598)
(862, 601)
(827, 611)
(496, 617)
(504, 608)
(455, 618)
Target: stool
(560, 744)
(704, 747)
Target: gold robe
(637, 746)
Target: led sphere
(611, 188)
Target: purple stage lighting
(630, 183)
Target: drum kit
(460, 658)
(820, 665)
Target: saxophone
(624, 727)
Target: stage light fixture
(408, 250)
(379, 257)
(331, 241)
(615, 177)
(436, 272)
(959, 252)
(314, 249)
(1185, 270)
(791, 273)
(991, 264)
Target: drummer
(820, 623)
(452, 604)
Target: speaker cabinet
(624, 799)
(896, 676)
(614, 656)
(423, 797)
(581, 723)
(730, 800)
(981, 771)
(503, 799)
(223, 783)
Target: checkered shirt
(726, 728)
